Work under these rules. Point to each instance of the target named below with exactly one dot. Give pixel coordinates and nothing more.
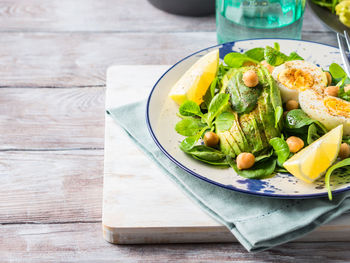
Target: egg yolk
(294, 78)
(337, 106)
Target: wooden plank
(44, 186)
(92, 16)
(81, 59)
(140, 204)
(106, 15)
(83, 243)
(47, 118)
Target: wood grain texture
(83, 243)
(106, 16)
(45, 186)
(81, 59)
(93, 16)
(51, 118)
(63, 43)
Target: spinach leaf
(336, 71)
(236, 60)
(278, 115)
(189, 142)
(206, 153)
(211, 92)
(263, 157)
(294, 56)
(274, 57)
(256, 53)
(189, 126)
(298, 122)
(297, 119)
(213, 86)
(342, 163)
(190, 108)
(243, 99)
(312, 134)
(258, 171)
(216, 163)
(224, 121)
(281, 170)
(281, 150)
(217, 105)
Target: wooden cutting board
(140, 204)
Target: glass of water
(245, 19)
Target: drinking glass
(246, 19)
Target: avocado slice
(225, 145)
(237, 132)
(250, 128)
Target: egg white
(312, 103)
(319, 78)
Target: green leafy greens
(236, 60)
(189, 126)
(281, 150)
(259, 171)
(342, 163)
(297, 121)
(249, 119)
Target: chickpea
(245, 160)
(211, 139)
(344, 151)
(347, 88)
(248, 63)
(332, 91)
(329, 78)
(292, 105)
(268, 66)
(250, 78)
(295, 144)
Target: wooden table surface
(53, 59)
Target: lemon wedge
(313, 161)
(194, 83)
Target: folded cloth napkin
(258, 223)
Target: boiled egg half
(298, 75)
(330, 111)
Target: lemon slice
(194, 83)
(313, 161)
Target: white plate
(161, 119)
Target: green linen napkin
(258, 223)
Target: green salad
(340, 7)
(244, 123)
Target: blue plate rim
(230, 187)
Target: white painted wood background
(53, 61)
